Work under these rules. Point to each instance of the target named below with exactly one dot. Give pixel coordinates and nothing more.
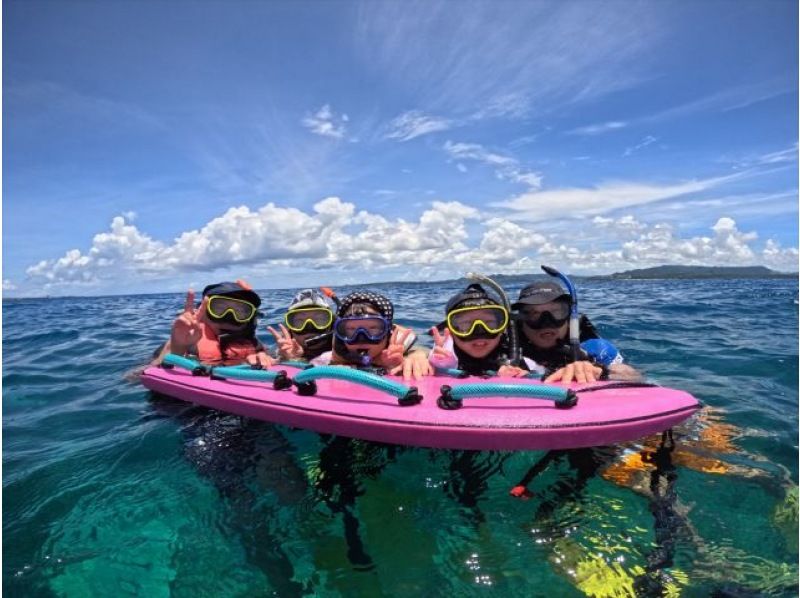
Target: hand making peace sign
(288, 347)
(439, 341)
(186, 329)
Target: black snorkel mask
(546, 320)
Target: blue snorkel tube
(574, 318)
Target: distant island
(659, 272)
(699, 272)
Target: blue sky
(149, 146)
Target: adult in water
(474, 336)
(307, 331)
(222, 330)
(542, 313)
(364, 335)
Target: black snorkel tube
(574, 318)
(513, 333)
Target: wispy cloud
(649, 140)
(506, 167)
(725, 100)
(324, 122)
(506, 59)
(598, 129)
(575, 202)
(45, 101)
(414, 123)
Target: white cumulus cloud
(446, 239)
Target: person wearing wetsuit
(542, 316)
(474, 336)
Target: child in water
(307, 329)
(364, 335)
(473, 338)
(222, 330)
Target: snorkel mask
(232, 303)
(479, 321)
(369, 329)
(308, 320)
(310, 312)
(554, 318)
(355, 324)
(473, 314)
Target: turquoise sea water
(109, 490)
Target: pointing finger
(188, 305)
(201, 311)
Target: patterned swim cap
(376, 300)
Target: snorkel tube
(574, 321)
(328, 292)
(513, 333)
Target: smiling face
(479, 347)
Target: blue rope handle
(305, 382)
(452, 396)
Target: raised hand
(288, 347)
(439, 341)
(392, 356)
(186, 329)
(442, 355)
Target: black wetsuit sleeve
(587, 329)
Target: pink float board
(601, 417)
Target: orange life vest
(210, 351)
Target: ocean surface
(109, 490)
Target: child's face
(371, 349)
(479, 347)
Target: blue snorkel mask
(369, 329)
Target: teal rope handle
(240, 373)
(172, 360)
(452, 396)
(292, 363)
(452, 372)
(305, 382)
(278, 379)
